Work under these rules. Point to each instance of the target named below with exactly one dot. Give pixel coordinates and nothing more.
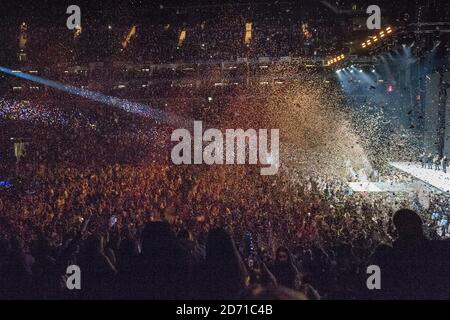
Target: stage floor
(436, 179)
(365, 186)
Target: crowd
(150, 232)
(90, 192)
(154, 231)
(212, 33)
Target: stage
(366, 186)
(434, 178)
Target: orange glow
(182, 38)
(23, 38)
(129, 36)
(248, 33)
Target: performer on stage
(430, 161)
(423, 159)
(444, 164)
(437, 162)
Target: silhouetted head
(283, 255)
(408, 224)
(224, 273)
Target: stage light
(23, 38)
(373, 70)
(335, 59)
(360, 70)
(181, 38)
(248, 33)
(131, 34)
(128, 106)
(390, 88)
(376, 38)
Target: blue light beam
(129, 106)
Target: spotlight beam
(128, 106)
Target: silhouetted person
(444, 164)
(415, 268)
(223, 274)
(430, 161)
(188, 242)
(98, 271)
(423, 159)
(128, 258)
(284, 269)
(437, 162)
(162, 271)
